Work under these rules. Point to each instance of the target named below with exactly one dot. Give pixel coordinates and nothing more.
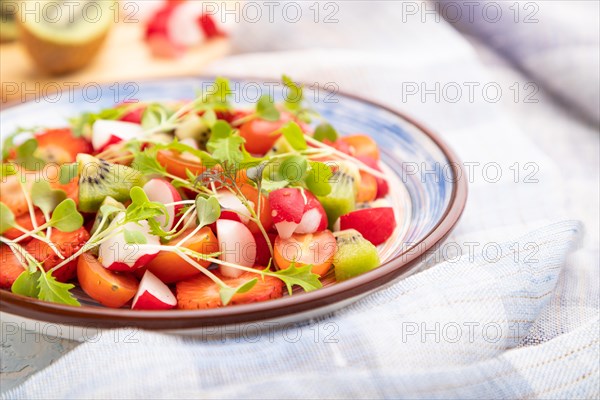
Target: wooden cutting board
(124, 57)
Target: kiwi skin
(59, 58)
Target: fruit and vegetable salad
(190, 204)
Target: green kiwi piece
(98, 179)
(355, 255)
(110, 202)
(194, 127)
(281, 146)
(342, 198)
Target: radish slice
(285, 229)
(161, 191)
(230, 201)
(106, 132)
(116, 254)
(287, 208)
(237, 246)
(153, 294)
(310, 221)
(182, 25)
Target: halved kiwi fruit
(355, 255)
(63, 36)
(98, 179)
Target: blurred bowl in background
(63, 36)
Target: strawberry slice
(11, 267)
(339, 146)
(375, 224)
(71, 188)
(68, 244)
(134, 116)
(60, 146)
(12, 195)
(24, 220)
(201, 292)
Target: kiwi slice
(64, 36)
(350, 169)
(341, 200)
(8, 27)
(194, 127)
(355, 255)
(281, 146)
(98, 179)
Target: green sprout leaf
(293, 169)
(293, 95)
(208, 210)
(154, 115)
(45, 197)
(27, 284)
(317, 179)
(226, 293)
(26, 156)
(7, 218)
(146, 163)
(143, 209)
(217, 97)
(294, 135)
(65, 217)
(301, 276)
(134, 237)
(220, 130)
(325, 131)
(68, 172)
(265, 108)
(227, 151)
(8, 143)
(268, 185)
(82, 124)
(52, 290)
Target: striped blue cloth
(524, 325)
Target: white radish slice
(310, 222)
(164, 192)
(237, 246)
(230, 201)
(153, 294)
(286, 229)
(182, 26)
(106, 132)
(117, 255)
